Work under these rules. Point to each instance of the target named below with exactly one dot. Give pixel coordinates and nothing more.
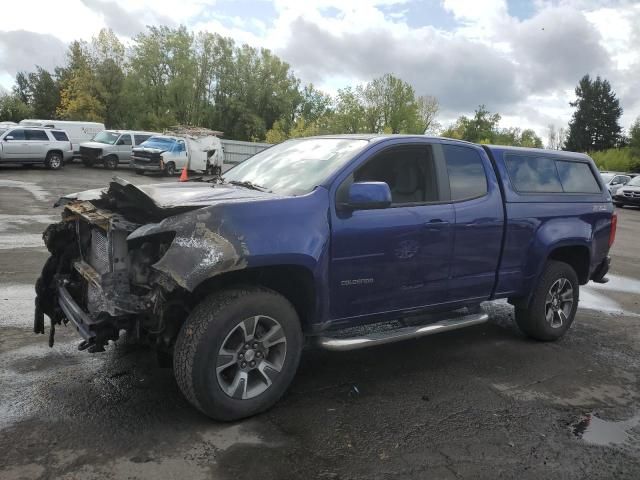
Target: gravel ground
(483, 402)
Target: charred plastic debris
(118, 262)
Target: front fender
(233, 236)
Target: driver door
(395, 258)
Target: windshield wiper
(247, 184)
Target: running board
(396, 335)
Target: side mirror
(369, 196)
(8, 137)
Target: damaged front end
(101, 282)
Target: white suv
(30, 145)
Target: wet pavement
(483, 402)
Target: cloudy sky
(520, 58)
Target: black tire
(170, 169)
(53, 161)
(87, 163)
(110, 162)
(139, 172)
(209, 326)
(533, 321)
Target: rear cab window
(138, 139)
(60, 136)
(543, 174)
(467, 177)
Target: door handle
(436, 221)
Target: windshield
(296, 167)
(159, 142)
(109, 138)
(634, 182)
(607, 177)
(2, 130)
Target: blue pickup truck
(343, 242)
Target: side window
(60, 136)
(125, 139)
(179, 147)
(17, 134)
(141, 138)
(39, 135)
(533, 174)
(577, 177)
(409, 171)
(467, 177)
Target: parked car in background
(112, 147)
(316, 236)
(170, 154)
(30, 145)
(78, 132)
(614, 181)
(628, 194)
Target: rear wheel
(53, 161)
(554, 303)
(237, 352)
(170, 169)
(111, 162)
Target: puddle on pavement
(34, 189)
(596, 431)
(16, 222)
(17, 305)
(12, 241)
(593, 296)
(617, 283)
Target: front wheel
(53, 161)
(237, 352)
(554, 303)
(170, 169)
(111, 162)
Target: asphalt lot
(483, 402)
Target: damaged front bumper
(88, 278)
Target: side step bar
(380, 338)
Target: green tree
(595, 123)
(349, 112)
(13, 108)
(481, 128)
(108, 63)
(79, 95)
(427, 113)
(634, 137)
(39, 90)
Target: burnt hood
(164, 199)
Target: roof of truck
(379, 137)
(537, 151)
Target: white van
(78, 132)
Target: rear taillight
(614, 227)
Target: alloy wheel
(251, 357)
(559, 303)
